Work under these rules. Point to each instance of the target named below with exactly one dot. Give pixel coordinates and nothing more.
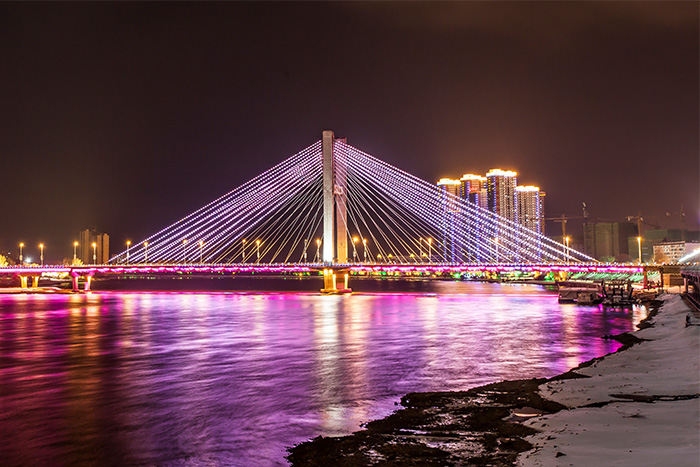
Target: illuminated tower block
(501, 193)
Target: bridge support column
(331, 284)
(23, 282)
(88, 279)
(35, 282)
(645, 282)
(76, 288)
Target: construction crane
(680, 213)
(640, 220)
(563, 219)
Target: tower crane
(563, 219)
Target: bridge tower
(335, 236)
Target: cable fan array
(392, 217)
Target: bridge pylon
(335, 216)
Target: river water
(233, 378)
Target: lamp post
(201, 254)
(364, 248)
(41, 247)
(639, 246)
(128, 244)
(21, 245)
(354, 249)
(306, 245)
(420, 248)
(257, 246)
(430, 250)
(94, 253)
(243, 252)
(184, 251)
(567, 249)
(75, 251)
(145, 253)
(495, 240)
(318, 250)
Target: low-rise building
(671, 252)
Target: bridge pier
(76, 286)
(24, 280)
(331, 284)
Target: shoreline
(510, 422)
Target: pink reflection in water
(170, 378)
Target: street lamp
(639, 245)
(128, 244)
(184, 251)
(75, 251)
(94, 253)
(21, 245)
(41, 247)
(306, 245)
(318, 250)
(567, 249)
(243, 253)
(257, 246)
(201, 246)
(420, 247)
(430, 250)
(364, 248)
(495, 240)
(354, 249)
(145, 253)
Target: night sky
(128, 116)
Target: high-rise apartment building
(97, 254)
(500, 192)
(450, 195)
(473, 189)
(529, 207)
(608, 241)
(450, 186)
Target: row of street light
(428, 241)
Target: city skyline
(129, 116)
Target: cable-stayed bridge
(333, 204)
(334, 208)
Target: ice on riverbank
(622, 431)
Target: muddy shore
(479, 426)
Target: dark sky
(128, 116)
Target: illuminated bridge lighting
(394, 216)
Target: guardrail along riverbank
(638, 405)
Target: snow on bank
(620, 433)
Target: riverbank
(578, 414)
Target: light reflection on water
(232, 378)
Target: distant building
(656, 236)
(450, 186)
(473, 189)
(529, 209)
(671, 252)
(99, 254)
(608, 241)
(500, 192)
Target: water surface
(202, 378)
